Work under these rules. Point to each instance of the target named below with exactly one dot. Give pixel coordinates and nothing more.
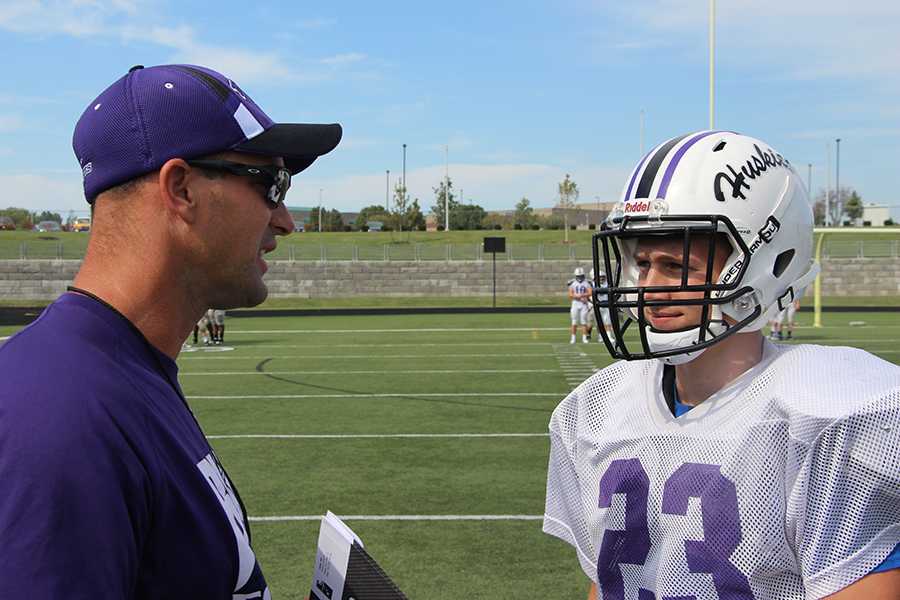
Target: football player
(579, 295)
(711, 463)
(216, 318)
(202, 328)
(789, 315)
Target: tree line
(404, 215)
(25, 219)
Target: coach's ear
(179, 186)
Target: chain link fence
(58, 250)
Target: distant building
(875, 215)
(302, 215)
(375, 225)
(582, 216)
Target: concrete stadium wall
(46, 279)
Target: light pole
(447, 188)
(387, 189)
(837, 182)
(320, 210)
(712, 64)
(400, 216)
(828, 220)
(809, 178)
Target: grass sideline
(316, 362)
(45, 245)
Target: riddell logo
(639, 206)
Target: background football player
(216, 318)
(785, 321)
(579, 295)
(711, 463)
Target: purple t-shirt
(109, 487)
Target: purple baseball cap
(158, 113)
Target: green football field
(427, 433)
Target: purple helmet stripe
(652, 170)
(670, 170)
(635, 174)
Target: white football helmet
(579, 274)
(708, 182)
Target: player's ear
(178, 189)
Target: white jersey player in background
(711, 463)
(787, 317)
(580, 310)
(216, 318)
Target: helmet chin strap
(659, 341)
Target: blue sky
(521, 93)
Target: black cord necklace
(173, 384)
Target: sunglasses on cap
(276, 178)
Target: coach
(108, 486)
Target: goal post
(823, 232)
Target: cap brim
(300, 144)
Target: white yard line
(494, 329)
(574, 363)
(402, 518)
(419, 345)
(371, 372)
(418, 330)
(401, 395)
(349, 436)
(365, 356)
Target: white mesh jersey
(579, 287)
(785, 484)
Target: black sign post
(495, 245)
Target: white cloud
(127, 21)
(37, 192)
(317, 23)
(343, 59)
(805, 39)
(852, 132)
(10, 123)
(494, 187)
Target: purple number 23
(721, 527)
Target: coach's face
(240, 229)
(660, 263)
